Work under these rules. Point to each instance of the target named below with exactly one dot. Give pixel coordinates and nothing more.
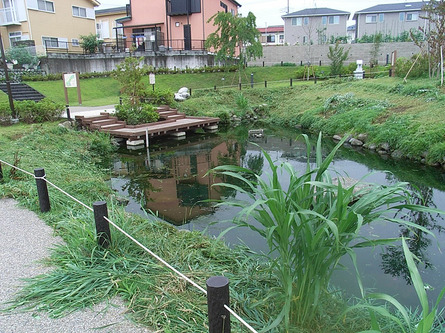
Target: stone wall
(275, 54)
(88, 63)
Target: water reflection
(174, 182)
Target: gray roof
(115, 10)
(393, 7)
(316, 12)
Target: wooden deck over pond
(170, 122)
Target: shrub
(90, 43)
(32, 112)
(160, 96)
(135, 114)
(337, 55)
(420, 69)
(22, 56)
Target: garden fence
(217, 291)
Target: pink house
(158, 25)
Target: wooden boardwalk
(171, 122)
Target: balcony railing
(8, 16)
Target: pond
(170, 178)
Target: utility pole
(8, 83)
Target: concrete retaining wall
(59, 63)
(276, 54)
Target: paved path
(24, 240)
(88, 111)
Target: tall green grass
(310, 225)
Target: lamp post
(8, 83)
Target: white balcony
(8, 16)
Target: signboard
(70, 80)
(151, 78)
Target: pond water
(170, 178)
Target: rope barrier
(15, 167)
(157, 257)
(242, 321)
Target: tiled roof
(115, 10)
(271, 29)
(316, 12)
(393, 7)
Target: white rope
(68, 195)
(241, 320)
(15, 167)
(157, 257)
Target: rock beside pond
(397, 154)
(67, 124)
(362, 137)
(385, 146)
(355, 142)
(337, 137)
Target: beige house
(314, 26)
(106, 24)
(55, 25)
(389, 19)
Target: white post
(441, 66)
(146, 138)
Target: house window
(306, 21)
(334, 19)
(79, 11)
(371, 18)
(402, 17)
(324, 20)
(281, 38)
(75, 42)
(223, 5)
(381, 17)
(52, 42)
(297, 21)
(232, 11)
(47, 6)
(412, 16)
(271, 39)
(14, 36)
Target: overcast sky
(269, 12)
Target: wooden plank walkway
(170, 122)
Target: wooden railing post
(42, 190)
(217, 297)
(103, 233)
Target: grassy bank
(407, 116)
(77, 162)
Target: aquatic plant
(310, 224)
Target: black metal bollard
(281, 64)
(390, 72)
(251, 80)
(315, 79)
(102, 226)
(263, 63)
(120, 100)
(265, 84)
(291, 82)
(320, 63)
(68, 114)
(190, 92)
(239, 86)
(1, 171)
(217, 296)
(42, 190)
(214, 88)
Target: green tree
(375, 50)
(129, 73)
(337, 55)
(90, 43)
(235, 38)
(22, 56)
